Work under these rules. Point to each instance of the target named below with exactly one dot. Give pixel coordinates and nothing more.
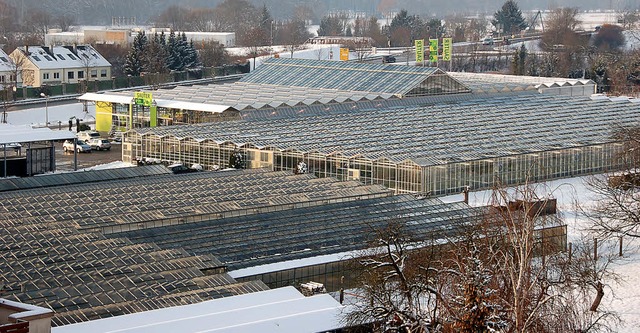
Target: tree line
(160, 54)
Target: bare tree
(499, 273)
(560, 29)
(213, 54)
(65, 21)
(294, 34)
(397, 291)
(616, 212)
(174, 17)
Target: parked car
(13, 145)
(100, 144)
(88, 135)
(388, 59)
(181, 168)
(81, 146)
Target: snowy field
(623, 298)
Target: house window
(2, 79)
(103, 73)
(70, 75)
(80, 74)
(94, 73)
(56, 75)
(45, 76)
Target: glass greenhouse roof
(341, 75)
(498, 125)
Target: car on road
(487, 41)
(100, 144)
(388, 59)
(81, 146)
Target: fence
(126, 82)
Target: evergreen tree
(174, 53)
(190, 57)
(333, 25)
(519, 60)
(134, 63)
(509, 18)
(348, 33)
(155, 55)
(266, 25)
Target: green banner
(142, 98)
(446, 49)
(433, 50)
(419, 50)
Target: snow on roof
(6, 64)
(165, 103)
(278, 310)
(11, 134)
(56, 57)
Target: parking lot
(64, 161)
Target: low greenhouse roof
(438, 134)
(341, 75)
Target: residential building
(7, 70)
(43, 65)
(125, 36)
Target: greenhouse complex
(411, 129)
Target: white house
(7, 69)
(41, 65)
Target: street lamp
(46, 108)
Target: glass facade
(404, 177)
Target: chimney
(465, 192)
(26, 50)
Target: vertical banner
(446, 49)
(433, 50)
(419, 50)
(153, 114)
(344, 54)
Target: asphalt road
(64, 161)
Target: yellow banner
(419, 50)
(344, 54)
(433, 50)
(142, 98)
(447, 44)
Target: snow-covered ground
(571, 194)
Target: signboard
(419, 50)
(344, 54)
(433, 50)
(446, 49)
(142, 98)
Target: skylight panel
(71, 56)
(61, 57)
(36, 58)
(4, 59)
(48, 58)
